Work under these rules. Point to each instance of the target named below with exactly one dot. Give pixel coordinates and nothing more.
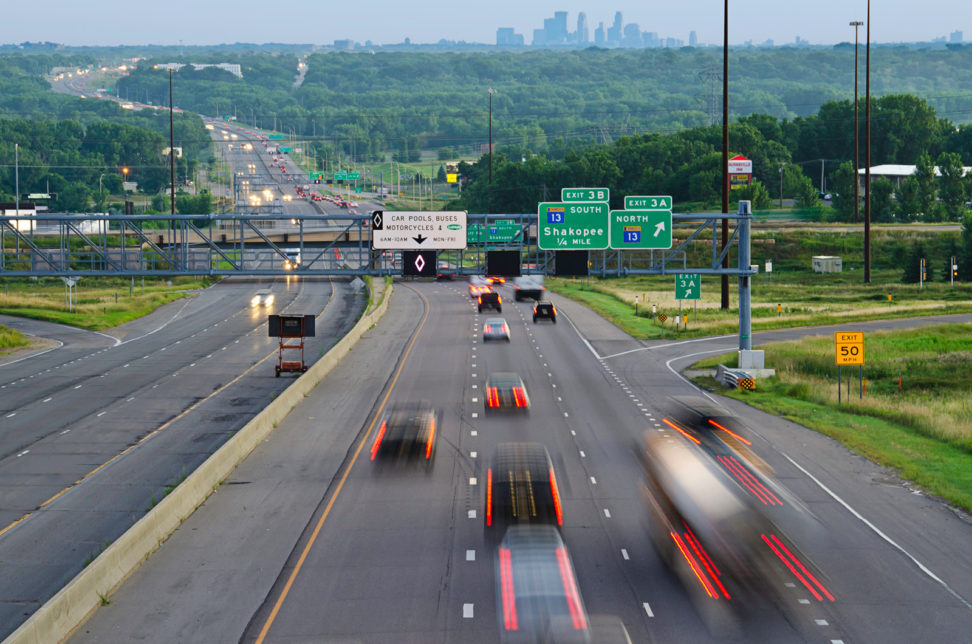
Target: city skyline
(180, 22)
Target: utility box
(827, 264)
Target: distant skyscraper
(583, 35)
(539, 37)
(692, 39)
(955, 37)
(599, 35)
(632, 35)
(506, 37)
(650, 39)
(614, 32)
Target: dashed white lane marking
(77, 386)
(162, 349)
(475, 414)
(648, 609)
(878, 532)
(472, 454)
(475, 399)
(474, 364)
(474, 433)
(470, 555)
(836, 641)
(130, 399)
(101, 413)
(46, 400)
(821, 622)
(803, 601)
(607, 513)
(559, 399)
(474, 375)
(145, 357)
(193, 364)
(566, 415)
(624, 554)
(467, 611)
(593, 481)
(471, 514)
(65, 432)
(582, 454)
(475, 386)
(573, 433)
(11, 414)
(472, 480)
(789, 584)
(26, 451)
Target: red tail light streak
(797, 568)
(377, 443)
(749, 481)
(507, 591)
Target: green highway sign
(584, 194)
(641, 229)
(475, 234)
(285, 150)
(573, 226)
(354, 176)
(276, 136)
(648, 203)
(315, 176)
(503, 232)
(688, 286)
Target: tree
(927, 190)
(756, 193)
(952, 186)
(909, 203)
(882, 200)
(806, 195)
(843, 181)
(912, 266)
(965, 253)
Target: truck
(528, 287)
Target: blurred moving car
(544, 311)
(479, 285)
(407, 432)
(496, 280)
(490, 300)
(446, 271)
(521, 487)
(537, 596)
(505, 391)
(496, 329)
(262, 297)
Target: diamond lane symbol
(419, 263)
(376, 221)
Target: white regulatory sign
(419, 230)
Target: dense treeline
(373, 104)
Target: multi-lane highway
(312, 541)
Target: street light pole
(490, 194)
(855, 24)
(725, 152)
(867, 152)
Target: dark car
(490, 300)
(496, 329)
(537, 596)
(544, 311)
(407, 433)
(521, 488)
(505, 391)
(446, 271)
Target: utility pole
(857, 146)
(867, 152)
(725, 151)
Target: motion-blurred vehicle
(490, 300)
(537, 596)
(521, 488)
(478, 285)
(496, 280)
(445, 270)
(496, 329)
(292, 261)
(262, 297)
(406, 433)
(544, 311)
(505, 391)
(528, 287)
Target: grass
(99, 303)
(922, 427)
(791, 299)
(11, 339)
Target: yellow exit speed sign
(849, 347)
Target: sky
(209, 22)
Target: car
(496, 329)
(537, 596)
(446, 271)
(490, 299)
(262, 297)
(479, 285)
(505, 391)
(521, 488)
(544, 311)
(496, 279)
(407, 432)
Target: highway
(311, 541)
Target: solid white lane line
(877, 531)
(46, 400)
(101, 413)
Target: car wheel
(499, 309)
(534, 319)
(554, 320)
(480, 309)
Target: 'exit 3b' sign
(584, 194)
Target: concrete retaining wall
(66, 611)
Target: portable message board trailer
(288, 327)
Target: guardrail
(735, 378)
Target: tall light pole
(489, 195)
(171, 148)
(725, 151)
(855, 24)
(867, 152)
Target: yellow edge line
(158, 429)
(337, 491)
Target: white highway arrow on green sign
(641, 229)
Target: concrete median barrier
(67, 610)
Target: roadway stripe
(344, 477)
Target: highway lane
(92, 432)
(393, 556)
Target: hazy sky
(204, 22)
